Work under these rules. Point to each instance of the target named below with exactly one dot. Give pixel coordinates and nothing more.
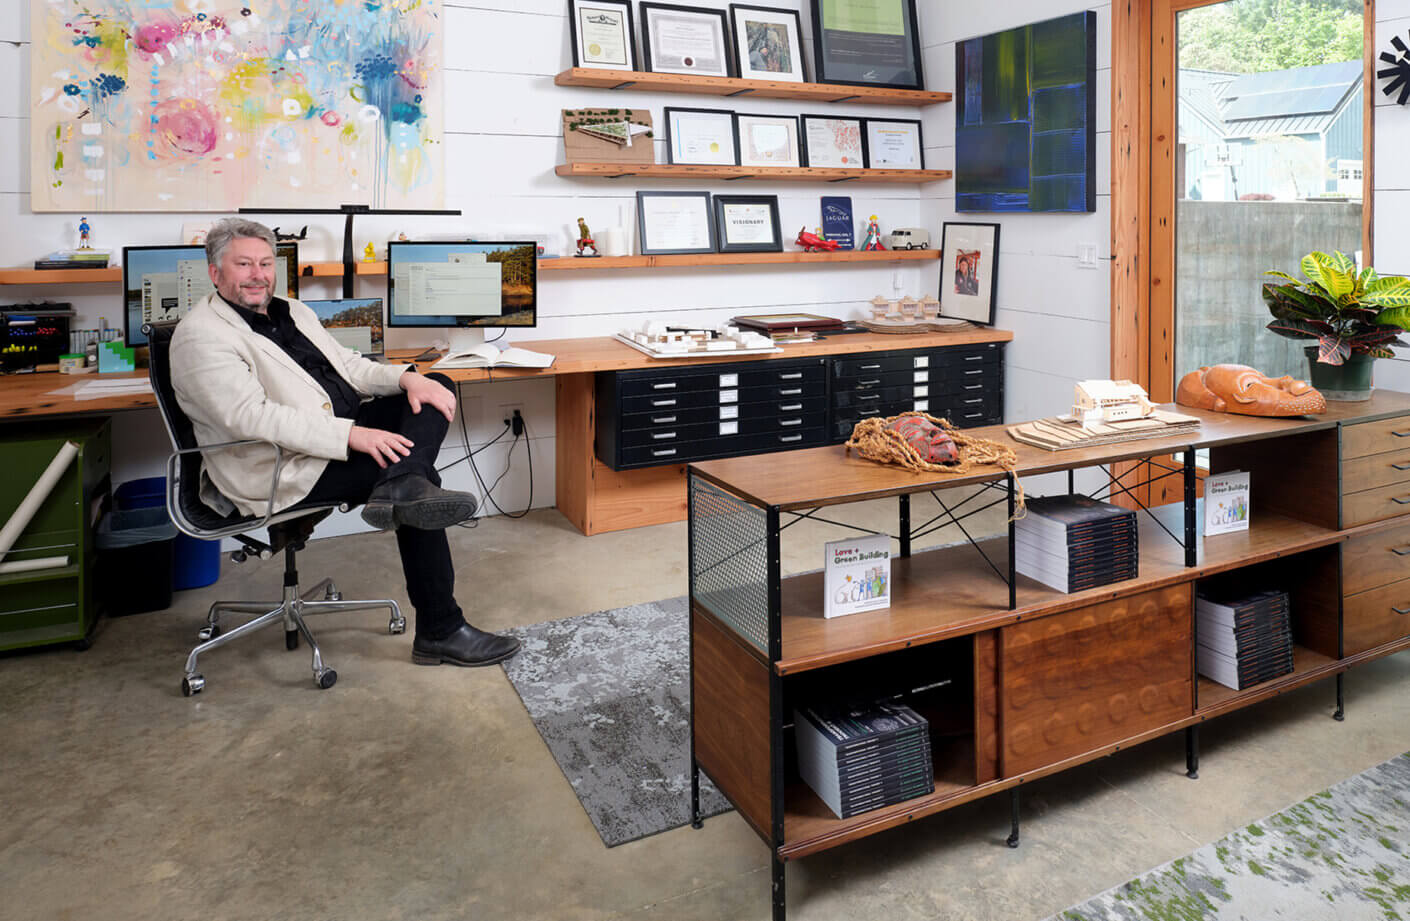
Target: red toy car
(812, 243)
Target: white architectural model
(1110, 401)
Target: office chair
(288, 531)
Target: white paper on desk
(97, 390)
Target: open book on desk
(486, 355)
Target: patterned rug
(1343, 854)
(609, 692)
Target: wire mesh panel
(729, 561)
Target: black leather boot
(416, 502)
(466, 646)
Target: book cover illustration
(1226, 498)
(857, 575)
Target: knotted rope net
(873, 440)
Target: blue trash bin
(196, 562)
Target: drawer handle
(869, 396)
(870, 412)
(1404, 434)
(1401, 551)
(871, 368)
(1401, 611)
(662, 420)
(663, 402)
(791, 377)
(1400, 500)
(793, 392)
(869, 383)
(974, 387)
(974, 358)
(788, 422)
(798, 437)
(662, 436)
(670, 386)
(790, 408)
(972, 402)
(666, 452)
(1404, 466)
(978, 371)
(974, 415)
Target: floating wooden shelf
(569, 263)
(335, 269)
(776, 173)
(22, 276)
(736, 87)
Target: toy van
(908, 238)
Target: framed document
(701, 136)
(767, 43)
(894, 143)
(867, 43)
(748, 224)
(767, 140)
(969, 271)
(674, 222)
(602, 34)
(833, 142)
(684, 40)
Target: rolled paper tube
(37, 494)
(46, 562)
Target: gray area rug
(1343, 854)
(610, 694)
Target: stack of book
(859, 757)
(74, 259)
(1072, 543)
(1244, 639)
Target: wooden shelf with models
(775, 173)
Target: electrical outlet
(507, 410)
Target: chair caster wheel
(326, 678)
(237, 556)
(291, 639)
(208, 633)
(192, 684)
(397, 626)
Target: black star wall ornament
(1398, 71)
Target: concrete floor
(425, 793)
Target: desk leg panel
(574, 420)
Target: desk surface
(30, 396)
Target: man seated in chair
(248, 365)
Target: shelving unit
(763, 173)
(570, 264)
(735, 87)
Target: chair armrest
(173, 485)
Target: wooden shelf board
(737, 87)
(775, 173)
(335, 269)
(570, 263)
(1308, 666)
(23, 276)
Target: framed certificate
(748, 224)
(767, 42)
(867, 43)
(768, 140)
(685, 40)
(701, 136)
(602, 34)
(674, 222)
(969, 271)
(833, 142)
(893, 143)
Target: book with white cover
(857, 575)
(1226, 502)
(486, 355)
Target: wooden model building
(1110, 401)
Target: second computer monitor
(472, 284)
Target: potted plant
(1355, 317)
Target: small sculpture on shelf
(369, 253)
(910, 308)
(814, 243)
(930, 307)
(586, 245)
(283, 237)
(84, 230)
(1109, 401)
(873, 240)
(880, 308)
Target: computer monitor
(161, 283)
(463, 287)
(356, 323)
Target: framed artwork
(701, 136)
(833, 142)
(1025, 118)
(969, 271)
(894, 143)
(685, 40)
(867, 43)
(768, 43)
(767, 140)
(747, 224)
(674, 222)
(602, 33)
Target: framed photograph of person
(969, 271)
(768, 43)
(674, 222)
(893, 143)
(602, 33)
(685, 40)
(701, 136)
(867, 43)
(833, 142)
(747, 224)
(768, 140)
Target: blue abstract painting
(1025, 118)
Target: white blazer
(235, 384)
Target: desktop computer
(163, 283)
(462, 287)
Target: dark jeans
(425, 555)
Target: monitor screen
(161, 283)
(464, 284)
(356, 323)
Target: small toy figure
(873, 240)
(282, 237)
(83, 232)
(585, 241)
(813, 243)
(369, 254)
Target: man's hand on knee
(385, 447)
(424, 391)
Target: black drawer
(870, 399)
(811, 375)
(678, 399)
(875, 363)
(729, 446)
(759, 425)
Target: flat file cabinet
(964, 384)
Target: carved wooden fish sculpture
(1247, 391)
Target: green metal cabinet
(53, 605)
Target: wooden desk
(593, 496)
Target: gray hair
(233, 228)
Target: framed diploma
(893, 143)
(768, 140)
(767, 43)
(833, 142)
(674, 222)
(867, 43)
(969, 271)
(700, 136)
(602, 34)
(748, 224)
(684, 40)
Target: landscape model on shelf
(1244, 638)
(661, 341)
(859, 757)
(1073, 542)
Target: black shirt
(278, 327)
